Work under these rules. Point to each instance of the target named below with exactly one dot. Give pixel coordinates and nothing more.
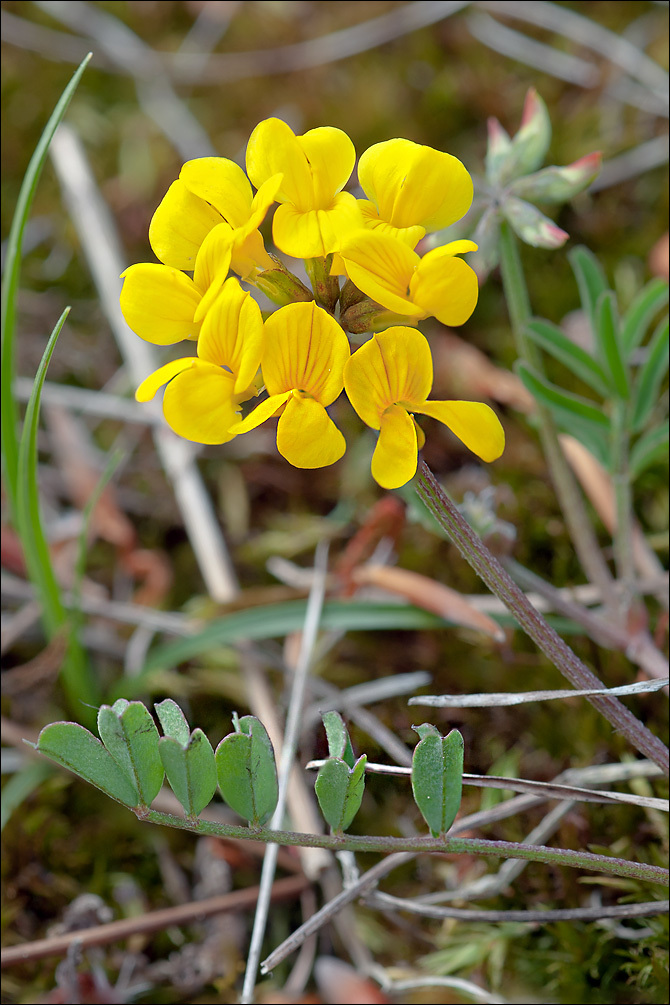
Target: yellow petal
(149, 386)
(395, 459)
(264, 411)
(314, 233)
(305, 349)
(248, 254)
(394, 366)
(474, 423)
(273, 148)
(212, 265)
(179, 226)
(413, 184)
(408, 235)
(159, 303)
(306, 435)
(331, 156)
(223, 184)
(445, 287)
(199, 404)
(232, 334)
(382, 267)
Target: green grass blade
(9, 437)
(550, 338)
(28, 522)
(79, 684)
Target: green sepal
(247, 772)
(75, 748)
(532, 226)
(437, 776)
(190, 770)
(129, 733)
(339, 789)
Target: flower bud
(528, 147)
(497, 150)
(558, 184)
(532, 226)
(281, 286)
(368, 316)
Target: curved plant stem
(445, 844)
(552, 645)
(569, 496)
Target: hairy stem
(421, 845)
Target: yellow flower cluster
(299, 358)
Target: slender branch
(421, 845)
(533, 623)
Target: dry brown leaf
(428, 594)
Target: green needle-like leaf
(437, 773)
(590, 277)
(648, 382)
(130, 735)
(550, 338)
(641, 313)
(608, 340)
(74, 748)
(652, 448)
(247, 773)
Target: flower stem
(569, 496)
(540, 631)
(419, 845)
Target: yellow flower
(412, 189)
(213, 192)
(163, 305)
(203, 393)
(387, 380)
(305, 353)
(392, 274)
(314, 212)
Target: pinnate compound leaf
(246, 770)
(129, 733)
(437, 773)
(190, 770)
(339, 790)
(75, 748)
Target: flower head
(203, 393)
(387, 380)
(314, 211)
(302, 366)
(392, 274)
